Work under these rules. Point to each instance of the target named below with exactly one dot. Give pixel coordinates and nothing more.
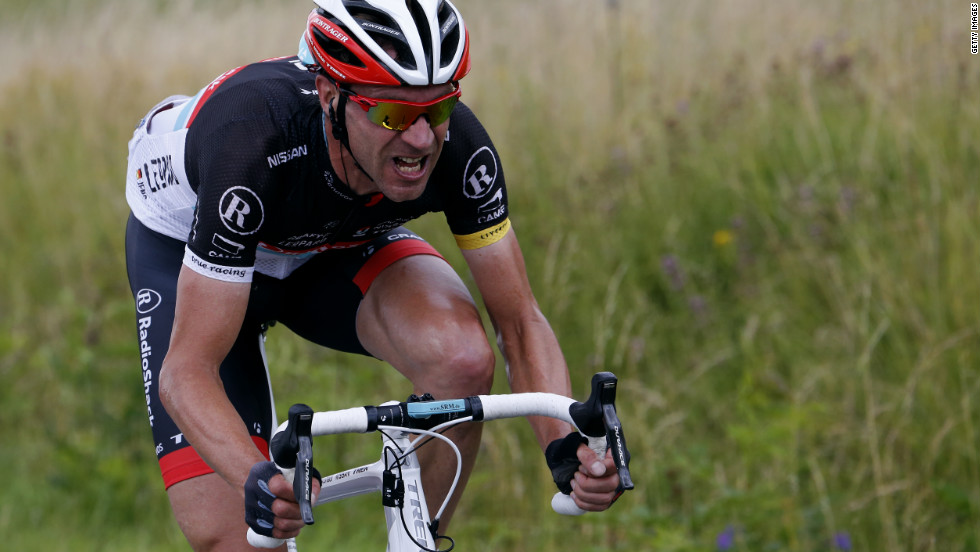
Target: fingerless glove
(259, 499)
(562, 458)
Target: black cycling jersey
(255, 158)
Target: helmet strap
(338, 125)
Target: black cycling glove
(259, 499)
(562, 457)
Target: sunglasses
(399, 115)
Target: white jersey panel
(160, 196)
(157, 189)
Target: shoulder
(465, 128)
(470, 181)
(468, 150)
(272, 89)
(250, 118)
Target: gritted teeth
(409, 164)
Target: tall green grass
(762, 216)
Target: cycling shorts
(318, 301)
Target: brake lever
(293, 449)
(597, 417)
(303, 480)
(617, 443)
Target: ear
(326, 90)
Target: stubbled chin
(404, 191)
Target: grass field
(762, 216)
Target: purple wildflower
(673, 270)
(726, 539)
(842, 541)
(699, 307)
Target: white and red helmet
(387, 42)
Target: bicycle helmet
(387, 42)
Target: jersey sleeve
(473, 181)
(227, 166)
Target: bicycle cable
(434, 433)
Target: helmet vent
(335, 49)
(384, 30)
(422, 24)
(449, 31)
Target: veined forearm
(535, 363)
(196, 400)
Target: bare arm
(207, 322)
(530, 348)
(534, 358)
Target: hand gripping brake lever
(597, 417)
(293, 449)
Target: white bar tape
(526, 404)
(351, 420)
(565, 505)
(262, 541)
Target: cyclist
(278, 193)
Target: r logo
(147, 300)
(241, 210)
(481, 173)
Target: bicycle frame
(370, 479)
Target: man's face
(400, 162)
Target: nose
(420, 135)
